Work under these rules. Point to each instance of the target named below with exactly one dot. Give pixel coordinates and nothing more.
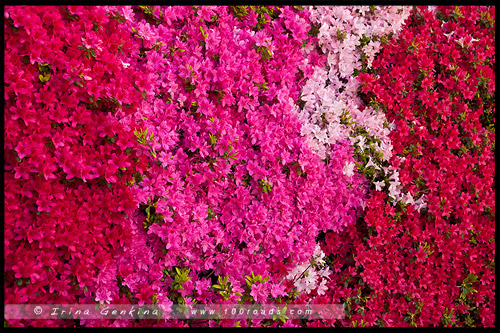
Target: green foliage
(240, 11)
(467, 287)
(280, 315)
(203, 33)
(323, 119)
(45, 72)
(299, 169)
(188, 85)
(181, 276)
(44, 78)
(448, 316)
(412, 316)
(264, 52)
(224, 287)
(340, 35)
(150, 14)
(384, 40)
(456, 14)
(413, 47)
(136, 178)
(264, 14)
(148, 10)
(255, 279)
(173, 51)
(345, 118)
(87, 52)
(264, 185)
(247, 179)
(262, 86)
(144, 139)
(213, 139)
(151, 215)
(227, 155)
(364, 40)
(361, 323)
(314, 31)
(487, 21)
(142, 136)
(210, 214)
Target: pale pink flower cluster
(332, 90)
(312, 274)
(332, 108)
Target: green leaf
(44, 78)
(213, 139)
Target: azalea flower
(371, 164)
(103, 296)
(348, 169)
(379, 185)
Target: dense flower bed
(252, 154)
(436, 267)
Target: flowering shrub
(224, 155)
(230, 176)
(435, 267)
(332, 110)
(67, 157)
(208, 166)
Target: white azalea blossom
(370, 163)
(379, 185)
(348, 169)
(311, 274)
